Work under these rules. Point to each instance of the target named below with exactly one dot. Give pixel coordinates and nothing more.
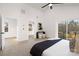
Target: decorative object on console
(40, 26)
(40, 34)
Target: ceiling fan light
(50, 5)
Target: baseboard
(21, 40)
(10, 38)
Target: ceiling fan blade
(45, 5)
(56, 3)
(50, 3)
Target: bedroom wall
(12, 11)
(0, 32)
(31, 15)
(57, 14)
(23, 14)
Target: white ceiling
(39, 5)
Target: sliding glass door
(68, 29)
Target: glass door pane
(73, 29)
(62, 30)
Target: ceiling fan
(50, 5)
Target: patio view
(68, 29)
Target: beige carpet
(15, 48)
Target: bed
(55, 47)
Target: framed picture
(6, 27)
(30, 27)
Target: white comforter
(59, 49)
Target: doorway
(31, 29)
(9, 27)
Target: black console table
(37, 34)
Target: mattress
(59, 49)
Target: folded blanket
(38, 48)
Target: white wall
(31, 14)
(0, 32)
(14, 11)
(58, 14)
